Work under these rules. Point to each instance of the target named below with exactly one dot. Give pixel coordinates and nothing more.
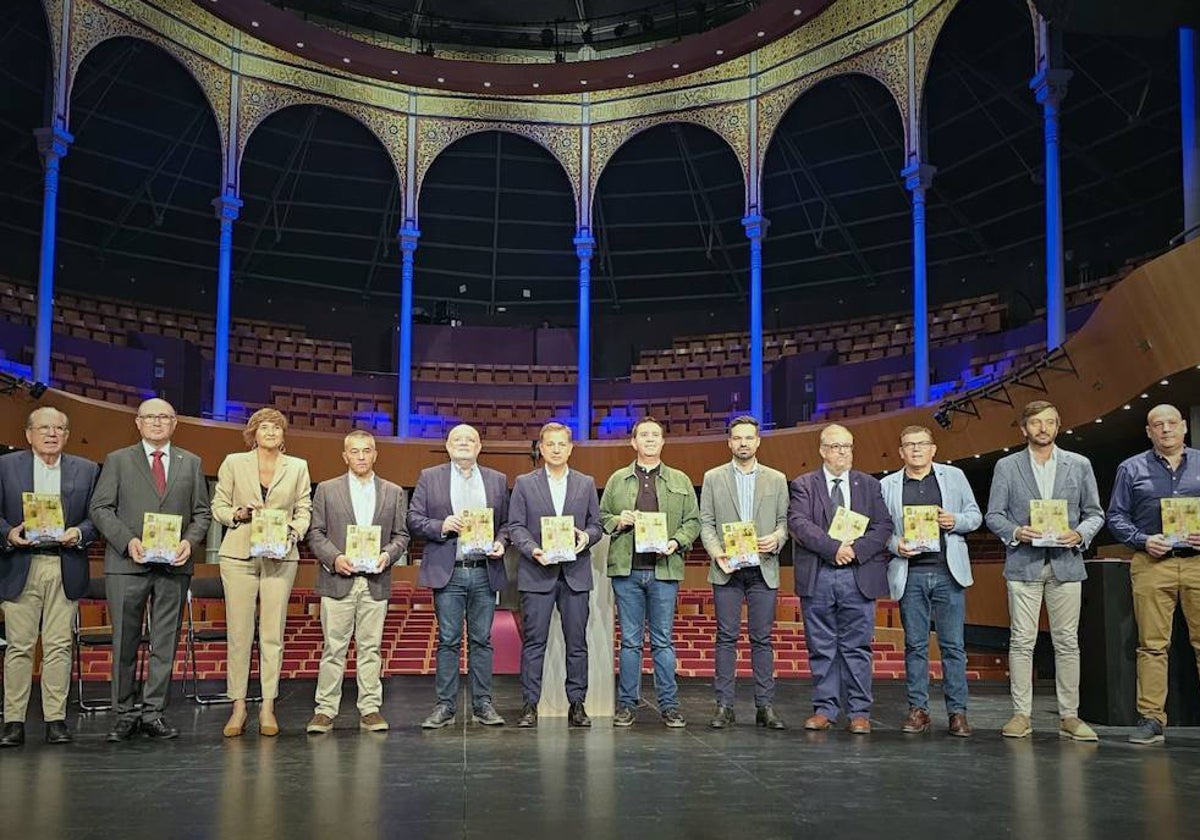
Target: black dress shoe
(57, 732)
(14, 734)
(766, 717)
(723, 718)
(528, 717)
(125, 729)
(577, 716)
(158, 728)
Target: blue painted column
(1188, 117)
(52, 143)
(1050, 87)
(756, 228)
(918, 177)
(408, 236)
(228, 206)
(584, 247)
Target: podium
(1108, 653)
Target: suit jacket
(77, 479)
(958, 499)
(430, 507)
(1013, 485)
(333, 510)
(809, 516)
(531, 501)
(290, 490)
(125, 491)
(719, 504)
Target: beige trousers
(1157, 586)
(42, 608)
(361, 616)
(269, 583)
(1063, 600)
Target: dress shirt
(47, 478)
(845, 485)
(745, 482)
(166, 458)
(362, 498)
(1134, 512)
(467, 493)
(1044, 474)
(558, 490)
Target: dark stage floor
(644, 782)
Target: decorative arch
(563, 142)
(925, 38)
(52, 16)
(258, 100)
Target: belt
(469, 564)
(1183, 552)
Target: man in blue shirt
(1165, 567)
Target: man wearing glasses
(838, 578)
(42, 575)
(152, 476)
(930, 581)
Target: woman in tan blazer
(264, 477)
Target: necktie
(836, 496)
(159, 472)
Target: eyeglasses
(917, 445)
(156, 418)
(839, 447)
(45, 430)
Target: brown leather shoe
(959, 726)
(818, 722)
(860, 726)
(916, 723)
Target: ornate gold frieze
(924, 39)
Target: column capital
(585, 244)
(756, 225)
(1050, 85)
(408, 236)
(227, 206)
(918, 175)
(53, 141)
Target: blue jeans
(467, 594)
(641, 595)
(934, 593)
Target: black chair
(205, 589)
(97, 637)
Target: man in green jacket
(645, 583)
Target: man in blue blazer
(931, 583)
(839, 580)
(1050, 573)
(40, 583)
(555, 490)
(464, 586)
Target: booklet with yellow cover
(741, 545)
(362, 547)
(558, 539)
(650, 532)
(1049, 516)
(921, 531)
(161, 536)
(478, 534)
(1180, 517)
(43, 516)
(269, 534)
(847, 525)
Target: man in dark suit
(354, 603)
(464, 585)
(152, 476)
(838, 580)
(555, 490)
(41, 580)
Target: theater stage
(645, 782)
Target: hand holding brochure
(741, 545)
(43, 516)
(161, 536)
(478, 534)
(1049, 517)
(558, 539)
(1180, 517)
(362, 548)
(650, 532)
(848, 525)
(269, 534)
(921, 531)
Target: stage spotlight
(586, 35)
(548, 37)
(942, 419)
(620, 29)
(11, 384)
(36, 389)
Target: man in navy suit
(41, 582)
(464, 585)
(839, 580)
(555, 490)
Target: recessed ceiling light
(300, 44)
(537, 84)
(395, 72)
(720, 52)
(1099, 419)
(345, 60)
(254, 23)
(1126, 407)
(441, 79)
(977, 455)
(1145, 396)
(628, 75)
(487, 84)
(760, 33)
(675, 66)
(796, 12)
(1164, 382)
(1070, 431)
(583, 81)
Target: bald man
(464, 585)
(152, 476)
(1166, 568)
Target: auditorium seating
(491, 374)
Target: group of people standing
(839, 574)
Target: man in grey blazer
(41, 582)
(152, 476)
(931, 584)
(464, 586)
(354, 603)
(1053, 573)
(555, 490)
(744, 491)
